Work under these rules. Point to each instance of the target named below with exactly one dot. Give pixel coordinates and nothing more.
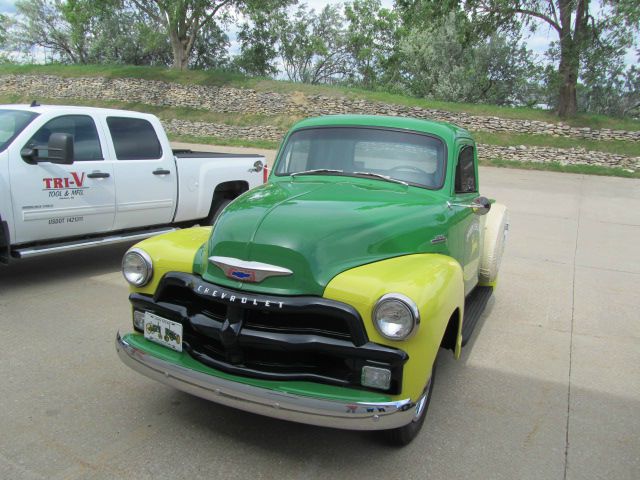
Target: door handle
(98, 175)
(161, 171)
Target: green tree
(84, 31)
(43, 23)
(184, 21)
(5, 26)
(371, 39)
(631, 92)
(576, 26)
(606, 85)
(117, 33)
(312, 46)
(258, 42)
(439, 63)
(210, 48)
(3, 29)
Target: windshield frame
(445, 152)
(4, 145)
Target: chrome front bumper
(271, 403)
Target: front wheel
(404, 435)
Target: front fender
(433, 281)
(172, 252)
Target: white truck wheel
(495, 235)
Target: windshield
(12, 122)
(360, 151)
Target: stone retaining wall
(520, 153)
(202, 129)
(565, 156)
(235, 100)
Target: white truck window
(134, 139)
(86, 144)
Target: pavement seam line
(604, 269)
(573, 307)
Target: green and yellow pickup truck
(325, 295)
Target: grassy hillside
(284, 122)
(219, 78)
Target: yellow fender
(172, 252)
(433, 281)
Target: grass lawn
(557, 167)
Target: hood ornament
(245, 271)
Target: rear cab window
(134, 139)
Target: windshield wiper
(316, 171)
(382, 177)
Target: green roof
(444, 130)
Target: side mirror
(59, 149)
(479, 206)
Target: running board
(474, 305)
(38, 250)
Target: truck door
(54, 201)
(467, 236)
(146, 179)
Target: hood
(320, 227)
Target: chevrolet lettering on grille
(222, 295)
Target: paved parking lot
(549, 388)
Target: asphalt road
(549, 388)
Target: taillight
(265, 174)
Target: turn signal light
(376, 377)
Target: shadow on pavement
(61, 266)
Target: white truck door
(146, 179)
(55, 201)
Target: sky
(538, 41)
(7, 6)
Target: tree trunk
(568, 73)
(571, 45)
(179, 47)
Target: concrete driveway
(549, 388)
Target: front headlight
(396, 316)
(137, 267)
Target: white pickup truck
(77, 177)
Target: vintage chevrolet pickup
(325, 295)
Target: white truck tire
(495, 236)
